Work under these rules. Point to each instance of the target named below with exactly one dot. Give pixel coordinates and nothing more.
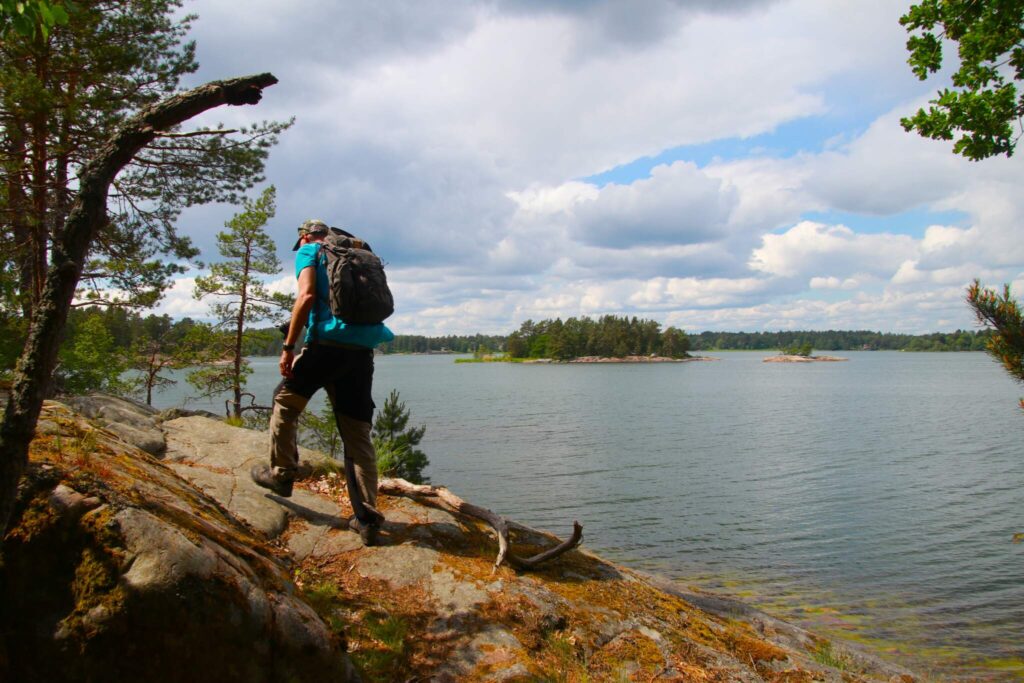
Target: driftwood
(440, 497)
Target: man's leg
(353, 410)
(360, 457)
(284, 428)
(290, 399)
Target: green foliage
(1002, 313)
(215, 372)
(90, 361)
(13, 329)
(983, 107)
(385, 656)
(674, 343)
(239, 293)
(406, 343)
(609, 336)
(805, 349)
(841, 340)
(32, 18)
(156, 353)
(264, 341)
(319, 431)
(395, 442)
(63, 95)
(826, 655)
(322, 596)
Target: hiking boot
(280, 484)
(369, 533)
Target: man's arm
(300, 313)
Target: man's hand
(287, 358)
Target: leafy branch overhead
(983, 111)
(31, 18)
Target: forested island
(104, 340)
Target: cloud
(832, 282)
(178, 301)
(812, 249)
(452, 136)
(678, 204)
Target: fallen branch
(440, 497)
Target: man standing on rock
(337, 357)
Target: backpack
(358, 287)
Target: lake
(873, 500)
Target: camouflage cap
(314, 226)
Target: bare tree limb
(196, 133)
(440, 497)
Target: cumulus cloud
(452, 136)
(178, 301)
(814, 249)
(833, 282)
(677, 205)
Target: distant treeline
(608, 336)
(127, 329)
(412, 343)
(842, 340)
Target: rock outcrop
(123, 567)
(117, 569)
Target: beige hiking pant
(360, 457)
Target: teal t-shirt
(328, 327)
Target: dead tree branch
(197, 133)
(442, 498)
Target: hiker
(337, 357)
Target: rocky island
(140, 550)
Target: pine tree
(65, 90)
(241, 296)
(153, 354)
(395, 441)
(1003, 313)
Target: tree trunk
(17, 208)
(40, 180)
(238, 331)
(88, 214)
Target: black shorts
(346, 373)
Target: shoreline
(588, 360)
(782, 358)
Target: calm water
(873, 500)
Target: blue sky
(725, 166)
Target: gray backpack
(358, 287)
